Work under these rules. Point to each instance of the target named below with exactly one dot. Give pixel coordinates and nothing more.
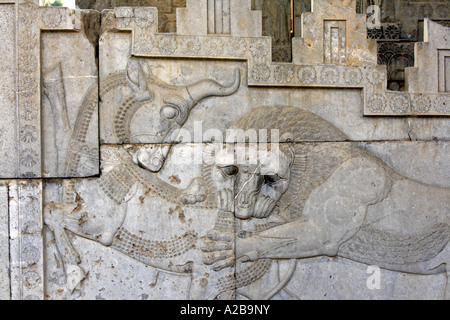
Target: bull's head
(159, 110)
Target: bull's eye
(169, 112)
(229, 171)
(272, 179)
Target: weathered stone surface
(180, 201)
(190, 165)
(8, 127)
(325, 36)
(436, 43)
(5, 291)
(26, 242)
(31, 76)
(340, 279)
(166, 9)
(70, 104)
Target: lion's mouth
(264, 207)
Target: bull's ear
(138, 74)
(133, 74)
(287, 137)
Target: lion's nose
(247, 199)
(244, 201)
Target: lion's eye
(272, 179)
(229, 170)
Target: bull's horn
(209, 88)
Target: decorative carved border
(26, 196)
(26, 241)
(30, 20)
(378, 101)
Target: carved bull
(167, 108)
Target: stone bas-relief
(70, 130)
(151, 111)
(189, 165)
(303, 220)
(44, 84)
(271, 212)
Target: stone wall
(166, 9)
(141, 162)
(401, 24)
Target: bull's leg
(447, 284)
(445, 256)
(440, 265)
(76, 218)
(54, 216)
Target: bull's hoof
(75, 275)
(195, 193)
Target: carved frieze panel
(357, 70)
(24, 111)
(224, 174)
(70, 104)
(26, 245)
(183, 221)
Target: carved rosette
(25, 207)
(262, 70)
(31, 19)
(29, 91)
(27, 262)
(399, 103)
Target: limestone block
(5, 288)
(234, 17)
(435, 71)
(26, 243)
(190, 166)
(340, 279)
(194, 18)
(244, 21)
(145, 228)
(414, 159)
(166, 9)
(332, 199)
(24, 152)
(70, 102)
(334, 33)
